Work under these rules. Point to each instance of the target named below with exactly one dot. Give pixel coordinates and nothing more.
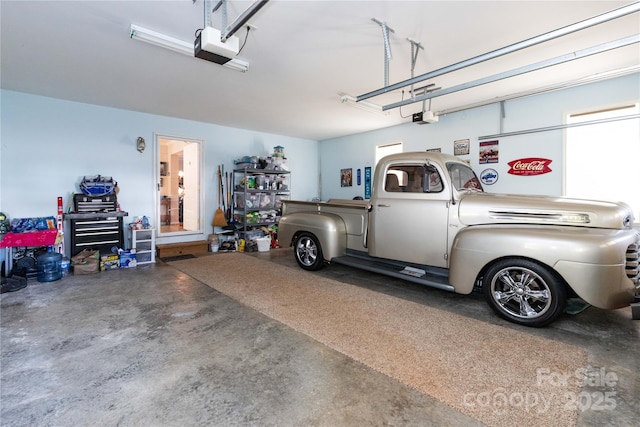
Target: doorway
(179, 164)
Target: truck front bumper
(603, 286)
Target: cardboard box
(86, 262)
(109, 262)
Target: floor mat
(489, 372)
(177, 258)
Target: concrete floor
(151, 346)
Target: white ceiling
(302, 55)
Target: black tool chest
(83, 203)
(95, 230)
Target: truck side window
(414, 184)
(392, 184)
(463, 177)
(412, 179)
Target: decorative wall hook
(141, 144)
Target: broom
(219, 219)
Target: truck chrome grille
(632, 262)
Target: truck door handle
(381, 205)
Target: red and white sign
(529, 166)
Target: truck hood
(487, 208)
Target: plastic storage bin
(253, 234)
(143, 257)
(267, 201)
(256, 200)
(264, 243)
(251, 201)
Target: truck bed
(355, 213)
(298, 205)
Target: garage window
(601, 159)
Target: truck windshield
(463, 177)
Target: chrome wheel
(308, 252)
(524, 292)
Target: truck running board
(423, 275)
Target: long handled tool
(219, 219)
(228, 178)
(222, 184)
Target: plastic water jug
(49, 266)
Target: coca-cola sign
(529, 166)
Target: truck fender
(329, 228)
(475, 248)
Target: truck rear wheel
(524, 292)
(309, 252)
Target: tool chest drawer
(101, 232)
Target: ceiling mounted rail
(545, 89)
(207, 15)
(387, 47)
(177, 45)
(558, 127)
(522, 70)
(232, 28)
(599, 19)
(415, 49)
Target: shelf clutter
(35, 247)
(255, 190)
(260, 239)
(250, 208)
(27, 242)
(259, 186)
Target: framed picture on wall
(164, 168)
(346, 179)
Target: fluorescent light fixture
(158, 39)
(237, 64)
(363, 105)
(177, 45)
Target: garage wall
(358, 151)
(48, 145)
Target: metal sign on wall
(489, 176)
(367, 182)
(529, 166)
(489, 152)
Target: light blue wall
(47, 145)
(550, 109)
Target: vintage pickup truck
(429, 222)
